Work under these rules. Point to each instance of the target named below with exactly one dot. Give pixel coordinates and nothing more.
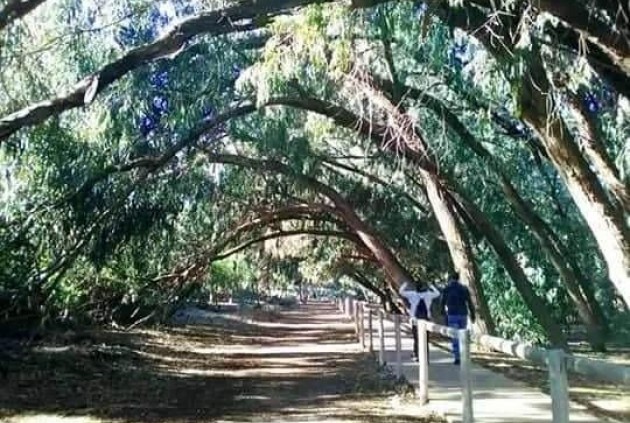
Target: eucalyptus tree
(127, 154)
(499, 245)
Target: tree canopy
(153, 151)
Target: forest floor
(297, 366)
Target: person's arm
(428, 296)
(433, 292)
(405, 290)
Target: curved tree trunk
(538, 110)
(590, 23)
(14, 10)
(384, 297)
(392, 267)
(578, 287)
(597, 155)
(606, 45)
(460, 250)
(537, 306)
(410, 143)
(603, 218)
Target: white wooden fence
(557, 361)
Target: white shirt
(414, 297)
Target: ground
(292, 366)
(603, 400)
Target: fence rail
(557, 362)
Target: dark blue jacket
(456, 300)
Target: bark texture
(603, 218)
(461, 253)
(577, 286)
(596, 153)
(536, 305)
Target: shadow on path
(295, 364)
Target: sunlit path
(496, 399)
(302, 365)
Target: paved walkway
(497, 399)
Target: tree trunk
(383, 296)
(412, 145)
(596, 153)
(14, 10)
(577, 286)
(537, 306)
(381, 252)
(461, 253)
(392, 267)
(415, 154)
(539, 112)
(604, 219)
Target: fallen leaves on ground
(295, 369)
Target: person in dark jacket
(458, 306)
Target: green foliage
(86, 238)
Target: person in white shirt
(418, 303)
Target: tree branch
(329, 162)
(247, 15)
(280, 234)
(17, 9)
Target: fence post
(370, 330)
(355, 317)
(559, 386)
(381, 337)
(398, 346)
(465, 375)
(423, 362)
(351, 309)
(362, 324)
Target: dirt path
(302, 365)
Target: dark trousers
(456, 321)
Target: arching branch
(386, 258)
(245, 16)
(304, 212)
(340, 115)
(332, 163)
(589, 23)
(280, 234)
(197, 265)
